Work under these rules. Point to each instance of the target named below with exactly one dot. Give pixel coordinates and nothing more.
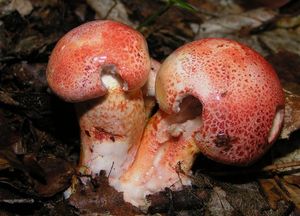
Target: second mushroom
(217, 97)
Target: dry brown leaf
(288, 21)
(230, 24)
(272, 192)
(4, 164)
(58, 175)
(108, 9)
(292, 186)
(218, 204)
(238, 27)
(96, 197)
(292, 114)
(293, 180)
(213, 8)
(24, 7)
(6, 98)
(282, 40)
(281, 188)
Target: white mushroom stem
(149, 88)
(110, 126)
(165, 156)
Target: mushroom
(217, 97)
(101, 66)
(149, 88)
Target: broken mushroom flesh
(149, 88)
(101, 66)
(217, 97)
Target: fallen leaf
(5, 98)
(239, 27)
(113, 10)
(4, 164)
(281, 188)
(97, 197)
(288, 21)
(28, 75)
(292, 115)
(279, 40)
(24, 7)
(293, 192)
(293, 180)
(234, 23)
(186, 199)
(57, 173)
(272, 192)
(218, 204)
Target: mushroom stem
(110, 127)
(168, 142)
(149, 88)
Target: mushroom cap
(83, 54)
(241, 96)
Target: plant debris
(96, 196)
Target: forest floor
(39, 134)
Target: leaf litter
(39, 141)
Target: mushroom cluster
(215, 96)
